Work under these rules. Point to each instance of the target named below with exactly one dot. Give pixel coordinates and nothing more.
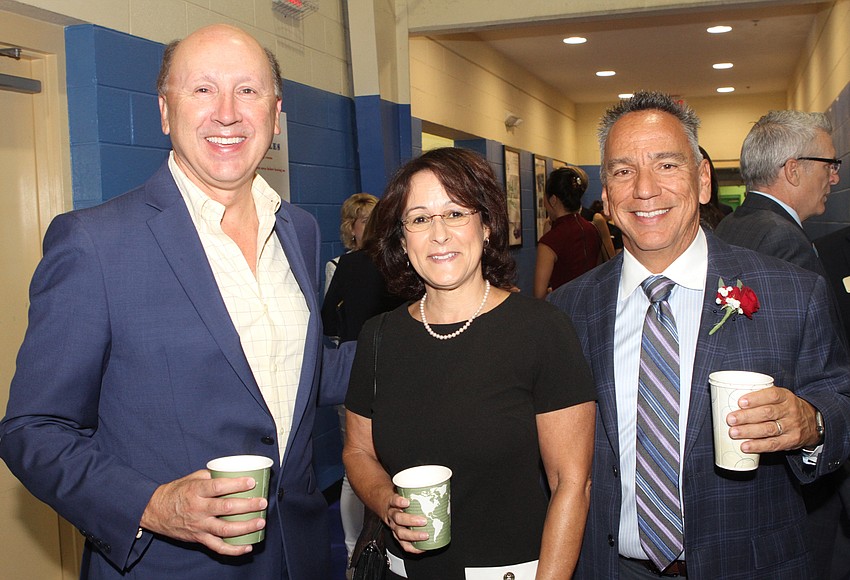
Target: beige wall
(312, 51)
(463, 84)
(824, 67)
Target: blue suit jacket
(131, 375)
(736, 526)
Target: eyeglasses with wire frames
(453, 218)
(834, 164)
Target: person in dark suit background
(788, 164)
(734, 525)
(834, 252)
(175, 324)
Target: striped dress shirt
(689, 273)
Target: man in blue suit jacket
(139, 364)
(736, 525)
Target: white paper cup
(726, 388)
(428, 487)
(256, 466)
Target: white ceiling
(669, 51)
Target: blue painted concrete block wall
(117, 143)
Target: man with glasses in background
(788, 164)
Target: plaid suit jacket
(747, 525)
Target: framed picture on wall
(514, 198)
(541, 218)
(558, 164)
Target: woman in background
(486, 382)
(354, 214)
(572, 246)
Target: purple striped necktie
(657, 472)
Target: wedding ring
(779, 427)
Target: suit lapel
(286, 232)
(178, 239)
(605, 307)
(710, 350)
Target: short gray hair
(649, 101)
(776, 138)
(168, 57)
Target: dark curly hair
(469, 181)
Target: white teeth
(225, 140)
(649, 214)
(443, 256)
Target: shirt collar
(204, 209)
(784, 205)
(688, 270)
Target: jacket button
(610, 540)
(267, 440)
(616, 471)
(280, 494)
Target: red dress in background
(576, 243)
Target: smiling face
(654, 186)
(446, 258)
(220, 109)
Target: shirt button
(280, 494)
(267, 440)
(610, 540)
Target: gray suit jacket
(744, 526)
(762, 225)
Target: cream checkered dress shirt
(269, 311)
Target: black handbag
(369, 559)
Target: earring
(486, 242)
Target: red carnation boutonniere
(738, 299)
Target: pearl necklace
(462, 328)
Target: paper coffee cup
(256, 466)
(726, 388)
(428, 487)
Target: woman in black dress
(489, 383)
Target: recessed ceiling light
(626, 95)
(722, 65)
(605, 73)
(726, 89)
(718, 29)
(575, 40)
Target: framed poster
(514, 198)
(541, 217)
(275, 164)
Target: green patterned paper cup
(428, 487)
(256, 466)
